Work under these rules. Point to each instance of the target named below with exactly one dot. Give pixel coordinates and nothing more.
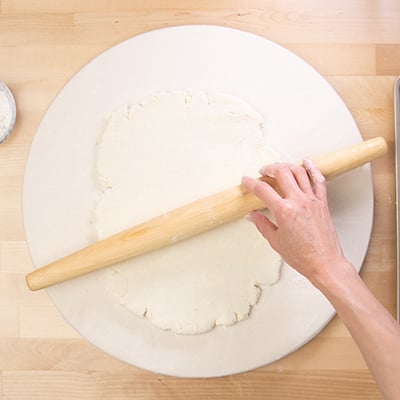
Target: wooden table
(355, 44)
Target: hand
(304, 235)
(302, 232)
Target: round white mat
(303, 117)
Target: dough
(164, 152)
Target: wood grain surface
(354, 44)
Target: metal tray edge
(396, 93)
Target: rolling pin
(187, 221)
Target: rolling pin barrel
(187, 221)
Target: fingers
(302, 178)
(283, 173)
(264, 225)
(292, 179)
(317, 179)
(263, 191)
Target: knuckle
(282, 169)
(279, 166)
(302, 205)
(297, 169)
(288, 209)
(285, 166)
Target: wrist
(333, 276)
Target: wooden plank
(33, 96)
(374, 121)
(383, 285)
(342, 352)
(72, 354)
(12, 160)
(335, 328)
(13, 291)
(57, 62)
(39, 354)
(282, 26)
(337, 59)
(341, 8)
(266, 385)
(36, 28)
(15, 257)
(43, 322)
(49, 6)
(11, 227)
(388, 59)
(335, 22)
(68, 354)
(9, 321)
(68, 357)
(365, 92)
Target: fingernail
(245, 179)
(313, 170)
(249, 217)
(308, 162)
(308, 165)
(266, 171)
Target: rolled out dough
(159, 154)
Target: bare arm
(304, 234)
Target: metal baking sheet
(397, 133)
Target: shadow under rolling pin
(187, 221)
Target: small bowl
(8, 112)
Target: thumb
(266, 227)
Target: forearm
(372, 327)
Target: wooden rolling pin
(187, 221)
